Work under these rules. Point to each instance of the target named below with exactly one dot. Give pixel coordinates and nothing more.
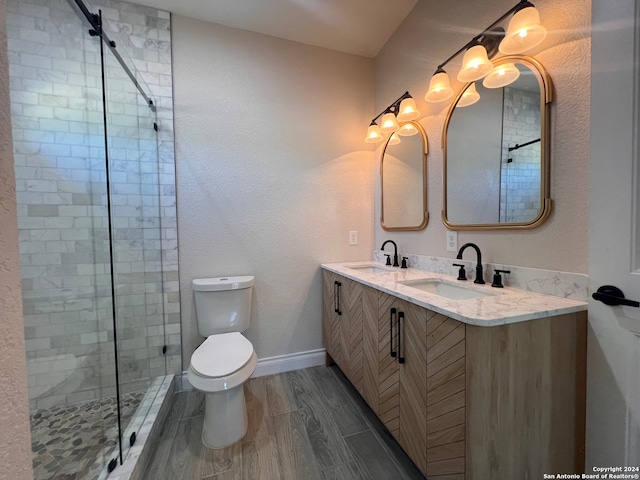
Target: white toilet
(225, 360)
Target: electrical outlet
(353, 237)
(452, 241)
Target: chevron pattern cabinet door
(330, 319)
(445, 402)
(351, 331)
(413, 384)
(370, 373)
(388, 368)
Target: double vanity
(474, 382)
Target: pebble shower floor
(71, 442)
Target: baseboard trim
(289, 362)
(272, 365)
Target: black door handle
(392, 314)
(610, 295)
(400, 332)
(336, 297)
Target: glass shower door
(136, 243)
(58, 131)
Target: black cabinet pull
(400, 320)
(610, 295)
(335, 296)
(338, 309)
(392, 314)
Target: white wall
(272, 173)
(431, 33)
(15, 441)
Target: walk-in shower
(521, 167)
(96, 211)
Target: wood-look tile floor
(303, 425)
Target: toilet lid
(221, 355)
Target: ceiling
(360, 27)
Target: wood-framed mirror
(496, 153)
(403, 179)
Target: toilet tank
(223, 304)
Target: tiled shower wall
(520, 178)
(60, 176)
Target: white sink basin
(369, 268)
(453, 291)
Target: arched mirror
(403, 179)
(496, 153)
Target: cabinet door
(342, 325)
(402, 379)
(350, 298)
(370, 342)
(330, 317)
(412, 321)
(446, 392)
(388, 366)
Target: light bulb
(373, 134)
(408, 110)
(407, 129)
(439, 88)
(523, 33)
(393, 139)
(501, 76)
(469, 97)
(475, 64)
(389, 123)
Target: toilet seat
(221, 354)
(222, 362)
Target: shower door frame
(97, 29)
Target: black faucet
(479, 275)
(395, 252)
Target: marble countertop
(501, 306)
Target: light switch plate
(452, 241)
(353, 237)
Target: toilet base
(225, 418)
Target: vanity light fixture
(374, 135)
(439, 87)
(407, 130)
(501, 76)
(402, 110)
(475, 64)
(523, 33)
(408, 110)
(389, 124)
(469, 97)
(394, 139)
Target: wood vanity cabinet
(419, 396)
(395, 377)
(467, 402)
(342, 325)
